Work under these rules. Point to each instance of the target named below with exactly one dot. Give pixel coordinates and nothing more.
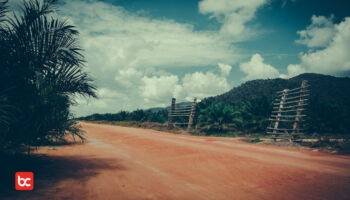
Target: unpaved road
(129, 163)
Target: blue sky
(143, 53)
(280, 20)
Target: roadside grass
(330, 144)
(254, 139)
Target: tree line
(138, 115)
(210, 118)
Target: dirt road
(130, 163)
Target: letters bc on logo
(24, 180)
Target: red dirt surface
(130, 163)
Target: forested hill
(328, 88)
(329, 108)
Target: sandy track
(130, 163)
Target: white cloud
(129, 53)
(232, 14)
(197, 84)
(104, 104)
(124, 39)
(294, 70)
(202, 85)
(133, 90)
(334, 58)
(225, 69)
(128, 78)
(159, 88)
(319, 33)
(257, 69)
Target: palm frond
(3, 9)
(44, 63)
(53, 49)
(7, 109)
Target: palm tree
(215, 117)
(42, 61)
(6, 108)
(255, 114)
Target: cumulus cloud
(142, 91)
(202, 85)
(257, 69)
(294, 70)
(334, 58)
(319, 33)
(128, 78)
(225, 69)
(197, 84)
(232, 14)
(160, 88)
(125, 39)
(331, 56)
(130, 53)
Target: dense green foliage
(41, 72)
(216, 117)
(245, 117)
